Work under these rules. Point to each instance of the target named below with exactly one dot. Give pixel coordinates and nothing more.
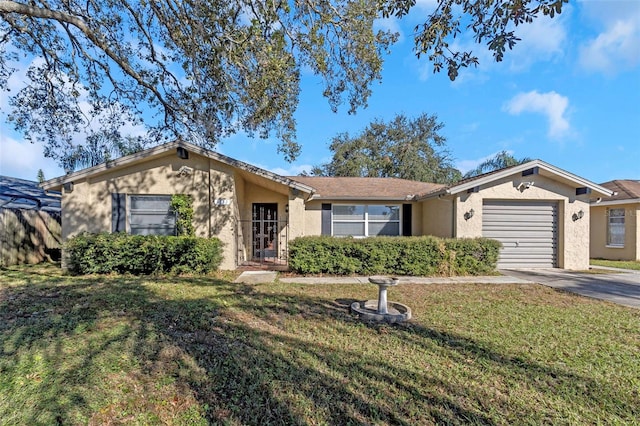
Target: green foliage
(419, 256)
(499, 161)
(121, 253)
(622, 264)
(402, 148)
(182, 205)
(210, 69)
(203, 350)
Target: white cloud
(541, 40)
(550, 104)
(426, 5)
(615, 49)
(23, 159)
(292, 170)
(465, 165)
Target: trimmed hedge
(121, 253)
(419, 256)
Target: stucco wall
(437, 217)
(296, 215)
(220, 193)
(88, 207)
(313, 218)
(599, 248)
(573, 236)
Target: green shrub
(182, 205)
(420, 256)
(121, 253)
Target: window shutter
(326, 219)
(406, 220)
(118, 212)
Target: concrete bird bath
(381, 310)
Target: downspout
(454, 207)
(210, 199)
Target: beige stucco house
(539, 212)
(615, 222)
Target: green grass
(624, 264)
(96, 350)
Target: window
(151, 215)
(615, 227)
(362, 220)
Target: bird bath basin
(381, 310)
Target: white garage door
(528, 231)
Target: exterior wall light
(185, 171)
(578, 216)
(525, 185)
(468, 215)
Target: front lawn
(624, 264)
(96, 350)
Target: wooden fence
(29, 236)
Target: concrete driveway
(619, 286)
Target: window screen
(615, 227)
(151, 215)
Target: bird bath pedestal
(381, 310)
(383, 283)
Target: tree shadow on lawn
(238, 352)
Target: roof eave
(577, 180)
(57, 183)
(362, 198)
(615, 202)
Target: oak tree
(402, 148)
(205, 69)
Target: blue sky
(569, 94)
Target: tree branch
(8, 7)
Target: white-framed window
(615, 227)
(151, 215)
(365, 220)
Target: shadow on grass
(243, 356)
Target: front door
(265, 230)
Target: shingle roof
(626, 189)
(25, 194)
(365, 187)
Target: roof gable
(129, 160)
(525, 169)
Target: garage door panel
(528, 231)
(523, 235)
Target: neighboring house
(615, 222)
(29, 222)
(539, 212)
